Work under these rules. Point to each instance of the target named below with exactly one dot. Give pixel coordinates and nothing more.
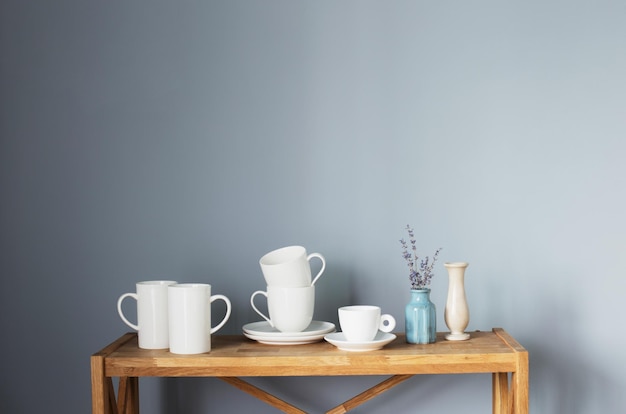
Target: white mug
(361, 323)
(290, 309)
(152, 326)
(190, 317)
(290, 267)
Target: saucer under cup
(339, 340)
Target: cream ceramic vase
(456, 313)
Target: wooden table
(234, 356)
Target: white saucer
(339, 340)
(264, 333)
(263, 328)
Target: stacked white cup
(290, 288)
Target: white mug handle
(119, 309)
(225, 299)
(391, 323)
(319, 256)
(260, 292)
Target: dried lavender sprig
(421, 277)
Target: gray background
(159, 139)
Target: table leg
(518, 395)
(500, 392)
(102, 393)
(519, 384)
(128, 395)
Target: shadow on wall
(577, 385)
(577, 382)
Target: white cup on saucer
(361, 323)
(290, 308)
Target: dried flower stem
(419, 277)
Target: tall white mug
(152, 325)
(290, 267)
(290, 308)
(190, 317)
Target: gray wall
(153, 139)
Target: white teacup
(290, 308)
(361, 323)
(152, 326)
(290, 267)
(190, 317)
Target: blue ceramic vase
(420, 318)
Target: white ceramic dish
(286, 340)
(264, 333)
(264, 329)
(339, 340)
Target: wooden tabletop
(235, 355)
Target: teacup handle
(319, 256)
(225, 299)
(119, 309)
(390, 323)
(260, 292)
